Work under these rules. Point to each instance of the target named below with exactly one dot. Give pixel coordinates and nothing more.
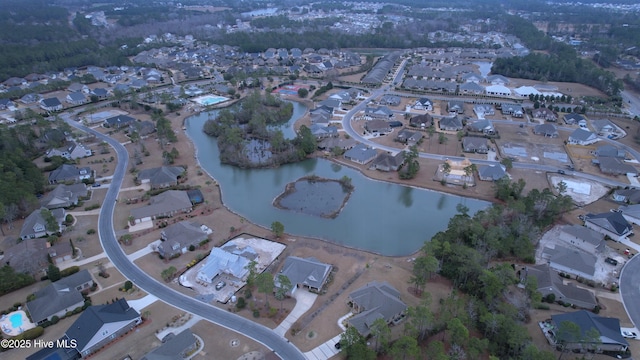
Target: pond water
(485, 67)
(319, 198)
(381, 217)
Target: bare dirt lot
(522, 145)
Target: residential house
(6, 104)
(472, 144)
(549, 282)
(64, 196)
(491, 172)
(233, 262)
(482, 126)
(571, 261)
(35, 225)
(388, 162)
(161, 177)
(143, 128)
(497, 80)
(610, 151)
(582, 137)
(60, 297)
(630, 196)
(472, 77)
(101, 324)
(305, 272)
(29, 256)
(546, 130)
(375, 300)
(78, 88)
(51, 104)
(472, 88)
(360, 154)
(605, 128)
(118, 121)
(60, 252)
(526, 91)
(614, 166)
(583, 238)
(482, 110)
(377, 126)
(455, 107)
(71, 151)
(610, 336)
(178, 347)
(381, 112)
(390, 100)
(423, 104)
(31, 98)
(69, 173)
(331, 143)
(322, 132)
(544, 114)
(572, 118)
(422, 121)
(498, 90)
(331, 103)
(408, 137)
(451, 123)
(100, 93)
(177, 238)
(611, 224)
(514, 110)
(631, 213)
(76, 98)
(166, 204)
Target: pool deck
(7, 326)
(208, 100)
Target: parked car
(611, 261)
(629, 334)
(338, 345)
(96, 184)
(220, 285)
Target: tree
(74, 251)
(420, 318)
(128, 285)
(412, 166)
(562, 187)
(265, 285)
(568, 332)
(306, 140)
(442, 138)
(381, 333)
(507, 162)
(458, 333)
(446, 168)
(354, 345)
(283, 288)
(53, 272)
(423, 268)
(277, 228)
(435, 351)
(302, 92)
(405, 347)
(51, 222)
(251, 278)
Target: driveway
(304, 301)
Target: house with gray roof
(220, 261)
(177, 238)
(166, 204)
(572, 118)
(322, 132)
(550, 282)
(582, 137)
(491, 172)
(472, 144)
(497, 80)
(610, 151)
(375, 300)
(388, 162)
(482, 110)
(614, 166)
(360, 154)
(35, 225)
(72, 151)
(409, 137)
(99, 325)
(482, 126)
(60, 297)
(571, 261)
(631, 213)
(330, 143)
(472, 88)
(423, 104)
(69, 173)
(611, 224)
(422, 121)
(381, 112)
(305, 272)
(583, 238)
(630, 196)
(161, 177)
(64, 196)
(544, 114)
(546, 130)
(605, 127)
(118, 121)
(608, 329)
(178, 347)
(51, 104)
(451, 123)
(76, 98)
(455, 106)
(377, 126)
(514, 110)
(6, 103)
(389, 100)
(30, 257)
(143, 128)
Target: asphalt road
(630, 289)
(280, 345)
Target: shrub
(247, 293)
(541, 306)
(91, 231)
(550, 298)
(34, 333)
(128, 285)
(256, 313)
(69, 271)
(31, 297)
(54, 319)
(241, 304)
(192, 247)
(596, 309)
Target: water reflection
(406, 197)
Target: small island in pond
(317, 196)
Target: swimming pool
(16, 320)
(207, 100)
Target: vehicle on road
(629, 334)
(561, 172)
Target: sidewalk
(80, 262)
(328, 348)
(304, 301)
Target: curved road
(280, 345)
(630, 289)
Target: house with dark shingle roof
(583, 238)
(63, 196)
(421, 121)
(611, 224)
(409, 137)
(101, 324)
(549, 282)
(452, 123)
(423, 104)
(614, 166)
(177, 238)
(514, 110)
(572, 118)
(491, 172)
(59, 297)
(305, 272)
(360, 154)
(29, 256)
(69, 173)
(545, 114)
(455, 106)
(482, 126)
(631, 196)
(608, 329)
(51, 104)
(610, 151)
(178, 347)
(377, 126)
(76, 98)
(472, 144)
(388, 162)
(35, 225)
(118, 121)
(631, 213)
(546, 130)
(582, 137)
(161, 177)
(571, 261)
(375, 300)
(166, 204)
